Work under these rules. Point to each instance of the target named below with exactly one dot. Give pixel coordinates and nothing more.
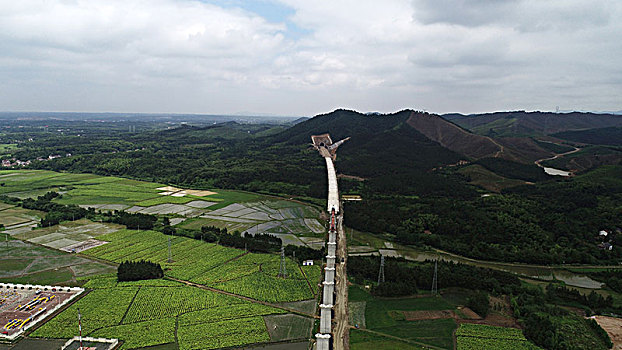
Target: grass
(61, 275)
(361, 340)
(384, 315)
(6, 148)
(378, 314)
(9, 265)
(485, 178)
(5, 206)
(168, 200)
(197, 223)
(226, 197)
(47, 266)
(434, 332)
(16, 215)
(288, 327)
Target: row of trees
(55, 213)
(139, 270)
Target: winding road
(539, 161)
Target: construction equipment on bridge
(337, 144)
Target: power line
(381, 272)
(435, 279)
(170, 259)
(282, 270)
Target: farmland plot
(228, 269)
(475, 336)
(25, 262)
(151, 312)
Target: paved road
(341, 331)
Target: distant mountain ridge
(521, 123)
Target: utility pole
(381, 272)
(80, 328)
(435, 279)
(170, 259)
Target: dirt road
(341, 330)
(539, 161)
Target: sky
(295, 57)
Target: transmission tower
(282, 271)
(170, 259)
(381, 272)
(435, 279)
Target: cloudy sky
(300, 57)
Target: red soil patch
(469, 314)
(613, 326)
(428, 315)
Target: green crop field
(152, 312)
(83, 189)
(228, 269)
(475, 336)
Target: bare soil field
(613, 326)
(180, 192)
(469, 314)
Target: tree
(139, 270)
(480, 303)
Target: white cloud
(192, 56)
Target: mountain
(521, 123)
(454, 137)
(421, 139)
(379, 143)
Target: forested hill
(379, 144)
